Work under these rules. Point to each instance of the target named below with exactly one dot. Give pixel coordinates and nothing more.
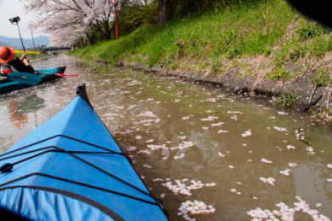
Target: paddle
(67, 75)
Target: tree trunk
(163, 12)
(166, 10)
(116, 25)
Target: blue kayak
(19, 80)
(71, 169)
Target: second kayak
(19, 80)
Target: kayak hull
(20, 80)
(73, 169)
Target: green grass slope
(211, 41)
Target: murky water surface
(199, 150)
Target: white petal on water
(157, 179)
(280, 129)
(185, 186)
(285, 172)
(134, 83)
(147, 114)
(147, 152)
(291, 164)
(263, 160)
(182, 137)
(286, 213)
(217, 124)
(183, 145)
(329, 166)
(190, 208)
(131, 148)
(186, 117)
(246, 133)
(156, 147)
(149, 141)
(210, 184)
(150, 99)
(220, 154)
(147, 166)
(210, 118)
(212, 100)
(132, 106)
(310, 150)
(290, 147)
(282, 113)
(268, 180)
(179, 156)
(222, 131)
(234, 117)
(234, 112)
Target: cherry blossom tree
(69, 20)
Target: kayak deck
(69, 167)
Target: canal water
(207, 155)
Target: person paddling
(13, 63)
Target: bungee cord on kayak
(9, 166)
(75, 182)
(64, 136)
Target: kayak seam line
(75, 196)
(65, 136)
(60, 150)
(42, 148)
(77, 183)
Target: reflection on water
(30, 103)
(19, 108)
(199, 150)
(18, 119)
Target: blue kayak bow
(71, 168)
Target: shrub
(310, 31)
(322, 78)
(279, 73)
(287, 100)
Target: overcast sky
(13, 8)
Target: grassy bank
(265, 40)
(241, 30)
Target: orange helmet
(7, 54)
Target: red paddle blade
(67, 75)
